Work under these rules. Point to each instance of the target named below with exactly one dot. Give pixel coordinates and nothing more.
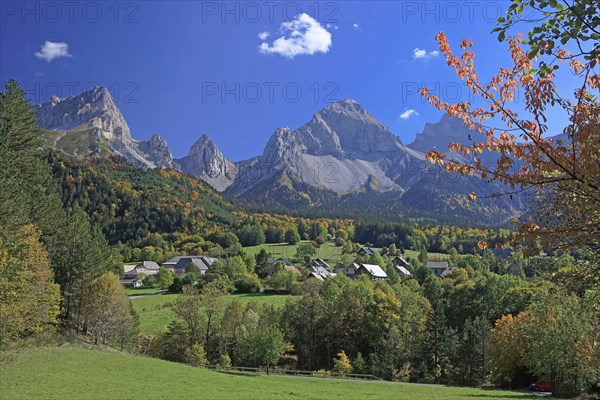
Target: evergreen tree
(29, 194)
(83, 256)
(292, 237)
(473, 353)
(423, 255)
(22, 134)
(262, 260)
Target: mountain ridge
(341, 152)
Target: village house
(171, 263)
(348, 270)
(400, 262)
(147, 268)
(402, 271)
(354, 270)
(314, 275)
(439, 268)
(133, 277)
(320, 263)
(320, 268)
(202, 263)
(366, 251)
(283, 261)
(372, 271)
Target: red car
(541, 386)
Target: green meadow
(156, 313)
(74, 373)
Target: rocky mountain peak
(157, 151)
(93, 121)
(203, 146)
(347, 106)
(283, 146)
(347, 129)
(94, 107)
(438, 135)
(205, 161)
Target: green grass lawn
(328, 251)
(430, 256)
(75, 373)
(276, 300)
(156, 314)
(135, 291)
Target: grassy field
(328, 252)
(430, 256)
(136, 291)
(156, 313)
(276, 300)
(75, 373)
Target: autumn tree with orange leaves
(562, 173)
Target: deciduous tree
(563, 172)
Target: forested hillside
(128, 203)
(55, 267)
(437, 199)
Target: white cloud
(302, 35)
(331, 26)
(408, 113)
(355, 26)
(420, 53)
(263, 35)
(52, 50)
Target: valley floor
(156, 313)
(76, 373)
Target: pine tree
(23, 134)
(83, 256)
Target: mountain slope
(91, 124)
(438, 135)
(129, 202)
(79, 373)
(341, 161)
(342, 148)
(206, 162)
(345, 162)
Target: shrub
(342, 364)
(248, 283)
(340, 242)
(195, 355)
(224, 361)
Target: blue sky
(183, 69)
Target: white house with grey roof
(134, 276)
(375, 272)
(400, 262)
(439, 268)
(366, 251)
(202, 263)
(402, 271)
(348, 270)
